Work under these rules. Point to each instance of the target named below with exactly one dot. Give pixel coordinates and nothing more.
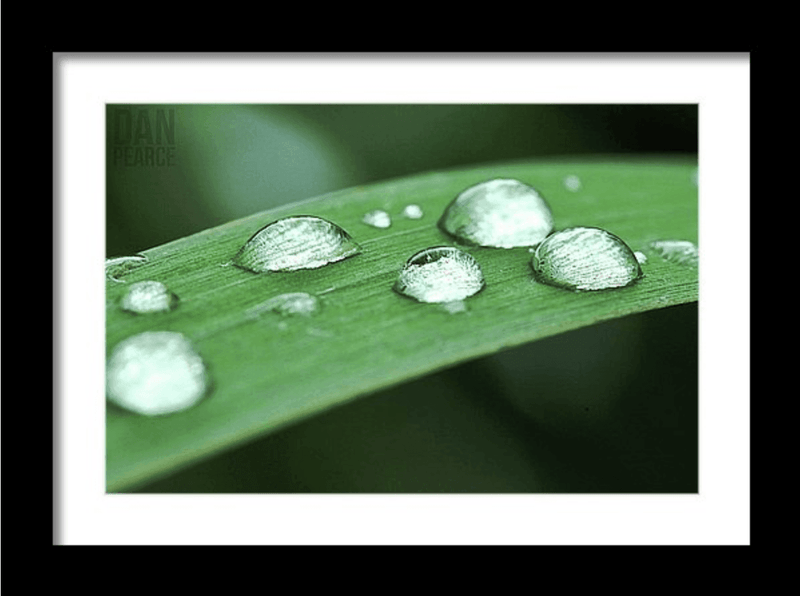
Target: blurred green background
(611, 408)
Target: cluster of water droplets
(378, 218)
(159, 372)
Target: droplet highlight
(584, 258)
(641, 257)
(413, 212)
(500, 213)
(293, 243)
(377, 219)
(572, 183)
(118, 266)
(145, 297)
(682, 252)
(156, 373)
(294, 303)
(440, 274)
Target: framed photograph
(371, 284)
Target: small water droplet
(118, 266)
(440, 274)
(315, 332)
(585, 258)
(156, 372)
(413, 212)
(572, 183)
(295, 303)
(682, 252)
(500, 213)
(145, 297)
(293, 243)
(641, 257)
(455, 307)
(377, 219)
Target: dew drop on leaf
(377, 219)
(440, 274)
(455, 307)
(500, 213)
(412, 212)
(682, 252)
(294, 303)
(155, 373)
(118, 266)
(293, 243)
(145, 297)
(315, 332)
(572, 183)
(584, 258)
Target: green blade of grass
(275, 371)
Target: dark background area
(610, 408)
(235, 160)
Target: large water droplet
(501, 213)
(292, 243)
(682, 252)
(156, 372)
(377, 219)
(117, 266)
(148, 297)
(440, 274)
(585, 259)
(413, 212)
(294, 303)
